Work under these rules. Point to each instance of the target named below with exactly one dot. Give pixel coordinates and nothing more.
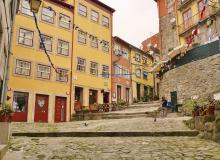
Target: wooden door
(60, 109)
(118, 93)
(127, 94)
(41, 108)
(139, 92)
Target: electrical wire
(42, 42)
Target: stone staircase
(132, 111)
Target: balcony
(194, 20)
(183, 3)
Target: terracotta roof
(103, 5)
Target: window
(20, 101)
(23, 68)
(81, 37)
(48, 15)
(125, 53)
(94, 16)
(25, 8)
(64, 21)
(62, 75)
(94, 68)
(105, 21)
(63, 47)
(187, 18)
(138, 72)
(105, 46)
(145, 75)
(144, 60)
(47, 43)
(126, 73)
(94, 42)
(82, 10)
(137, 57)
(81, 64)
(105, 71)
(117, 70)
(25, 37)
(43, 71)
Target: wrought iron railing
(182, 3)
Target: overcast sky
(134, 20)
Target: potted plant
(6, 113)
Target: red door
(60, 109)
(41, 108)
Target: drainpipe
(7, 65)
(71, 63)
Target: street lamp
(35, 5)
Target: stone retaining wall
(209, 126)
(198, 78)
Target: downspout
(71, 63)
(177, 26)
(7, 65)
(111, 78)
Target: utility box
(173, 96)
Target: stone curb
(3, 150)
(108, 134)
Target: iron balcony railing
(182, 3)
(194, 20)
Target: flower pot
(6, 118)
(211, 110)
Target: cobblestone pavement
(133, 124)
(139, 148)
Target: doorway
(93, 98)
(78, 98)
(60, 109)
(127, 93)
(118, 93)
(138, 92)
(106, 97)
(41, 108)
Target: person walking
(164, 106)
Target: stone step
(3, 150)
(98, 116)
(108, 134)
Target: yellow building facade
(191, 15)
(37, 92)
(92, 48)
(142, 79)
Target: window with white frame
(144, 59)
(138, 72)
(125, 53)
(63, 47)
(48, 15)
(117, 69)
(82, 10)
(64, 21)
(105, 71)
(82, 37)
(137, 57)
(145, 75)
(23, 68)
(62, 75)
(117, 49)
(94, 68)
(94, 42)
(47, 43)
(43, 71)
(105, 46)
(94, 16)
(105, 21)
(81, 64)
(25, 37)
(25, 8)
(126, 73)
